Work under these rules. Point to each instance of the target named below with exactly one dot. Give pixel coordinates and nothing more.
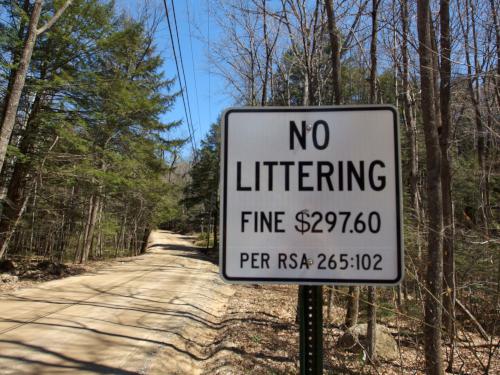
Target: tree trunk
(473, 88)
(371, 306)
(61, 239)
(411, 125)
(480, 128)
(70, 221)
(78, 250)
(15, 204)
(7, 227)
(86, 230)
(19, 181)
(335, 53)
(305, 93)
(92, 219)
(267, 66)
(329, 305)
(253, 94)
(33, 216)
(372, 324)
(434, 277)
(351, 318)
(13, 97)
(144, 242)
(99, 246)
(373, 53)
(16, 56)
(497, 37)
(135, 246)
(448, 222)
(121, 237)
(435, 75)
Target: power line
(209, 65)
(182, 68)
(187, 114)
(192, 63)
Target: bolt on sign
(311, 195)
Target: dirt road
(153, 314)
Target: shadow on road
(72, 363)
(146, 313)
(190, 252)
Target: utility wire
(192, 63)
(209, 65)
(182, 69)
(191, 135)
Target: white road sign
(311, 195)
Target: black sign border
(300, 281)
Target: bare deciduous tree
(434, 277)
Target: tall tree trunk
(19, 181)
(448, 222)
(494, 9)
(98, 246)
(351, 318)
(372, 296)
(306, 92)
(89, 235)
(60, 239)
(145, 237)
(268, 55)
(14, 207)
(435, 74)
(14, 95)
(121, 238)
(33, 216)
(434, 277)
(16, 56)
(253, 94)
(480, 128)
(373, 53)
(473, 87)
(329, 303)
(371, 333)
(335, 53)
(411, 125)
(85, 230)
(7, 228)
(68, 224)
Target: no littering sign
(311, 195)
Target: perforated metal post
(311, 329)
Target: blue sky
(206, 90)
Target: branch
(474, 320)
(53, 20)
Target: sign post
(311, 196)
(311, 329)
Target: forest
(87, 170)
(89, 166)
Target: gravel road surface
(152, 314)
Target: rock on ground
(355, 340)
(6, 278)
